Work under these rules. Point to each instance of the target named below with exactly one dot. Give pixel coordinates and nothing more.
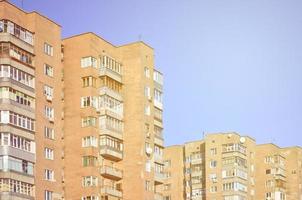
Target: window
(147, 72)
(268, 171)
(17, 53)
(89, 81)
(49, 133)
(8, 163)
(88, 101)
(11, 185)
(110, 123)
(269, 183)
(88, 121)
(88, 62)
(158, 77)
(158, 96)
(111, 64)
(48, 49)
(49, 175)
(90, 198)
(147, 92)
(49, 113)
(147, 110)
(8, 117)
(16, 30)
(213, 163)
(89, 161)
(17, 96)
(111, 142)
(167, 163)
(48, 92)
(47, 195)
(16, 142)
(213, 189)
(49, 153)
(213, 177)
(148, 166)
(112, 104)
(48, 70)
(148, 186)
(167, 187)
(90, 181)
(17, 75)
(213, 151)
(89, 141)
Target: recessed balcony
(111, 173)
(111, 191)
(111, 153)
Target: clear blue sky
(229, 65)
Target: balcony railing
(111, 153)
(111, 172)
(159, 178)
(105, 71)
(111, 191)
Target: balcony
(158, 104)
(158, 196)
(111, 173)
(105, 110)
(196, 161)
(158, 158)
(7, 37)
(111, 191)
(111, 153)
(106, 129)
(104, 71)
(159, 178)
(158, 140)
(104, 90)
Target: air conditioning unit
(149, 150)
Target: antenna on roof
(140, 37)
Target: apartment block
(278, 172)
(113, 120)
(31, 107)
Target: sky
(231, 65)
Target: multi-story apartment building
(113, 122)
(174, 171)
(232, 167)
(279, 172)
(220, 167)
(30, 118)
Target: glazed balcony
(111, 173)
(159, 140)
(159, 178)
(111, 191)
(104, 90)
(158, 158)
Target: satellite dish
(242, 139)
